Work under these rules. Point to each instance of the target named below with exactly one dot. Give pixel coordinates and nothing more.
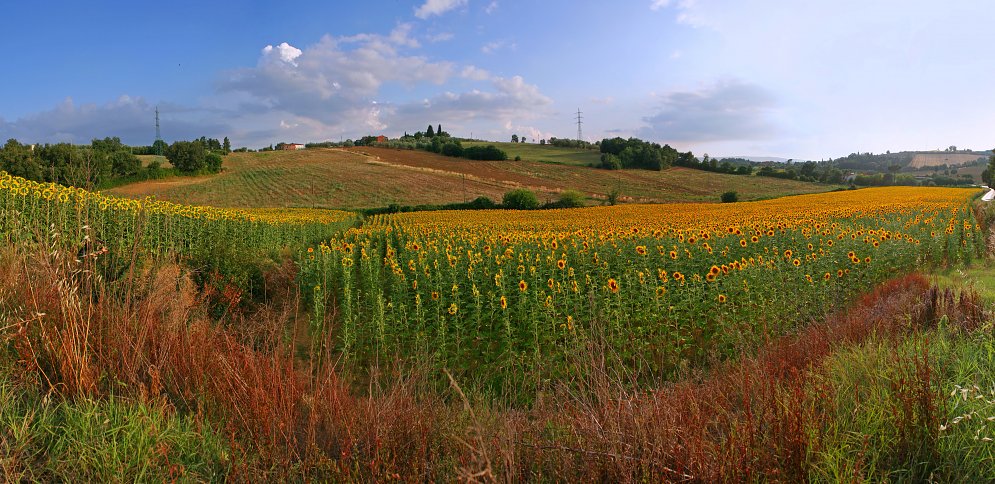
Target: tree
(430, 132)
(159, 147)
(438, 131)
(520, 199)
(729, 197)
(514, 138)
(18, 160)
(542, 141)
(187, 156)
(988, 176)
(226, 146)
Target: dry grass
(376, 177)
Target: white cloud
(510, 99)
(437, 7)
(603, 100)
(475, 73)
(283, 53)
(658, 4)
(496, 45)
(491, 7)
(440, 37)
(727, 110)
(130, 118)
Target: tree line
(106, 161)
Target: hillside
(921, 160)
(365, 177)
(550, 153)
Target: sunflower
(722, 298)
(612, 285)
(453, 309)
(435, 295)
(754, 239)
(641, 249)
(796, 262)
(673, 254)
(523, 286)
(504, 302)
(742, 242)
(561, 264)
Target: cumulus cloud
(334, 87)
(437, 7)
(509, 99)
(728, 110)
(130, 118)
(283, 53)
(335, 78)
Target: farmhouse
(292, 146)
(381, 139)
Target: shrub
(520, 199)
(571, 199)
(610, 162)
(518, 158)
(486, 153)
(729, 197)
(482, 203)
(452, 149)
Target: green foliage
(729, 197)
(453, 149)
(48, 439)
(18, 160)
(989, 174)
(610, 161)
(489, 152)
(520, 199)
(611, 198)
(636, 153)
(226, 146)
(571, 199)
(193, 157)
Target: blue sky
(801, 79)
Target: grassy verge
(44, 437)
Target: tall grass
(154, 360)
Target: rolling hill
(547, 153)
(364, 177)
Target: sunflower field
(77, 220)
(493, 293)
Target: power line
(580, 135)
(158, 135)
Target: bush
(610, 162)
(520, 199)
(571, 199)
(452, 149)
(729, 197)
(518, 158)
(154, 170)
(481, 203)
(485, 153)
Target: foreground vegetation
(406, 348)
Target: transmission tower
(158, 136)
(580, 135)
